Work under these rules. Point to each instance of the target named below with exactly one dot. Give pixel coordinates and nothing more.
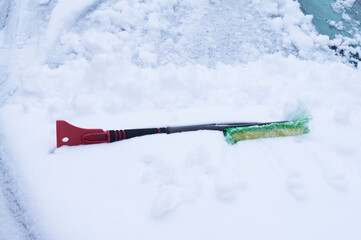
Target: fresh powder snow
(134, 64)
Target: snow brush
(70, 135)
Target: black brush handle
(117, 135)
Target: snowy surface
(129, 64)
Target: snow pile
(153, 33)
(126, 64)
(341, 5)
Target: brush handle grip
(118, 135)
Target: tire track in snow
(10, 191)
(21, 25)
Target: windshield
(334, 18)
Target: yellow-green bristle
(296, 126)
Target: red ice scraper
(70, 135)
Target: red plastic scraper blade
(67, 134)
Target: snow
(340, 5)
(126, 64)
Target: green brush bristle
(296, 126)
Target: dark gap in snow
(4, 13)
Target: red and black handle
(70, 135)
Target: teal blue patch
(323, 13)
